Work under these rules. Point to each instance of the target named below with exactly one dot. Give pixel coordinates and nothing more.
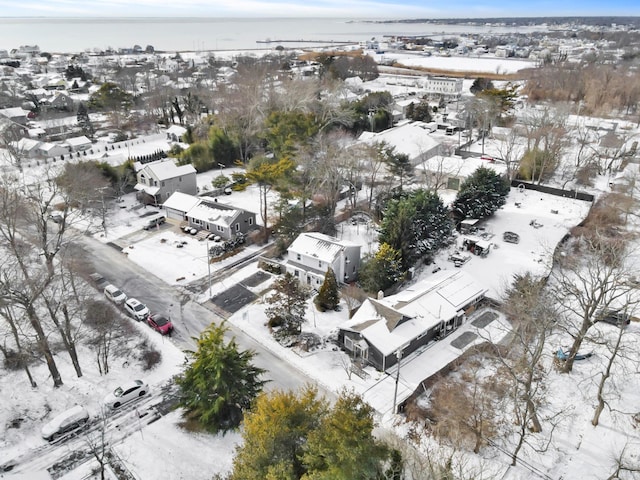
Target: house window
(297, 273)
(299, 257)
(237, 227)
(155, 183)
(320, 264)
(219, 228)
(250, 221)
(453, 183)
(348, 343)
(163, 184)
(179, 179)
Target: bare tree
(107, 327)
(21, 356)
(588, 279)
(532, 314)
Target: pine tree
(484, 192)
(343, 446)
(274, 435)
(328, 296)
(301, 437)
(288, 305)
(220, 383)
(382, 271)
(84, 121)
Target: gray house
(158, 180)
(383, 330)
(209, 215)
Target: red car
(160, 323)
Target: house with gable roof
(158, 180)
(205, 213)
(387, 328)
(312, 254)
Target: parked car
(136, 309)
(126, 393)
(56, 218)
(114, 294)
(68, 421)
(614, 317)
(160, 323)
(511, 237)
(154, 222)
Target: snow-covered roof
(146, 188)
(166, 168)
(182, 202)
(177, 130)
(77, 141)
(13, 112)
(211, 212)
(409, 139)
(318, 245)
(27, 144)
(391, 323)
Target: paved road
(189, 317)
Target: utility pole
(395, 393)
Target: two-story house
(208, 214)
(158, 180)
(312, 254)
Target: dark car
(160, 323)
(511, 237)
(614, 317)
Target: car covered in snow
(66, 422)
(511, 237)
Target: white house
(312, 254)
(383, 329)
(409, 138)
(158, 180)
(78, 144)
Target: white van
(72, 419)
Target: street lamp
(221, 165)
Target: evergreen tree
(288, 304)
(85, 122)
(220, 383)
(484, 192)
(381, 271)
(399, 166)
(432, 226)
(328, 296)
(343, 446)
(396, 229)
(301, 437)
(223, 149)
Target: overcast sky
(392, 9)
